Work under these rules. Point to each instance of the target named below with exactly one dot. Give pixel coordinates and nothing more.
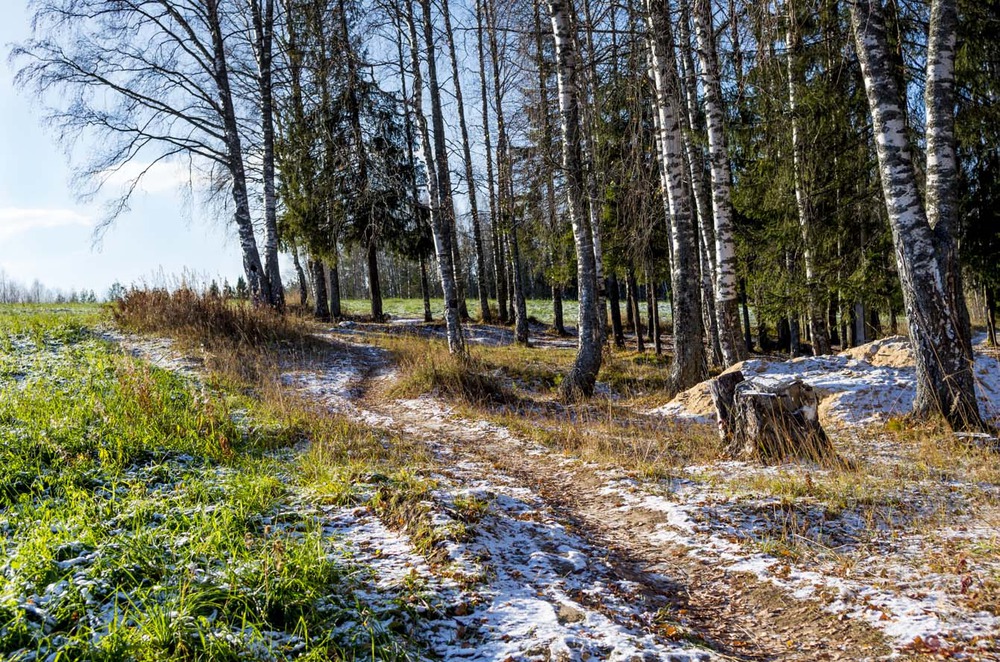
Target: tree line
(14, 291)
(813, 169)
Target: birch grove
(740, 177)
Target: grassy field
(139, 513)
(540, 309)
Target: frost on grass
(517, 581)
(513, 583)
(127, 533)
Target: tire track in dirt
(735, 613)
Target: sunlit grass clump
(209, 319)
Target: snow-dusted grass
(408, 534)
(142, 517)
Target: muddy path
(735, 614)
(675, 593)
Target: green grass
(35, 319)
(540, 309)
(138, 515)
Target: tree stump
(769, 423)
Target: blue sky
(46, 234)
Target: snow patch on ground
(889, 587)
(160, 352)
(862, 386)
(547, 594)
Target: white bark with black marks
(262, 17)
(257, 280)
(945, 381)
(143, 102)
(440, 227)
(470, 180)
(726, 295)
(583, 375)
(689, 366)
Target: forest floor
(480, 518)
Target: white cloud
(161, 177)
(14, 220)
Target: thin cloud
(162, 177)
(15, 221)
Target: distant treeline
(13, 291)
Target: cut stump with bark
(769, 423)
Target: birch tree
(689, 366)
(945, 381)
(499, 279)
(726, 298)
(439, 193)
(262, 20)
(149, 81)
(583, 375)
(470, 180)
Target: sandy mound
(864, 385)
(695, 403)
(891, 352)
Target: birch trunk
(942, 161)
(815, 299)
(260, 289)
(414, 187)
(440, 227)
(263, 25)
(552, 216)
(945, 381)
(477, 233)
(592, 167)
(504, 216)
(446, 205)
(702, 195)
(583, 375)
(689, 366)
(498, 281)
(726, 296)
